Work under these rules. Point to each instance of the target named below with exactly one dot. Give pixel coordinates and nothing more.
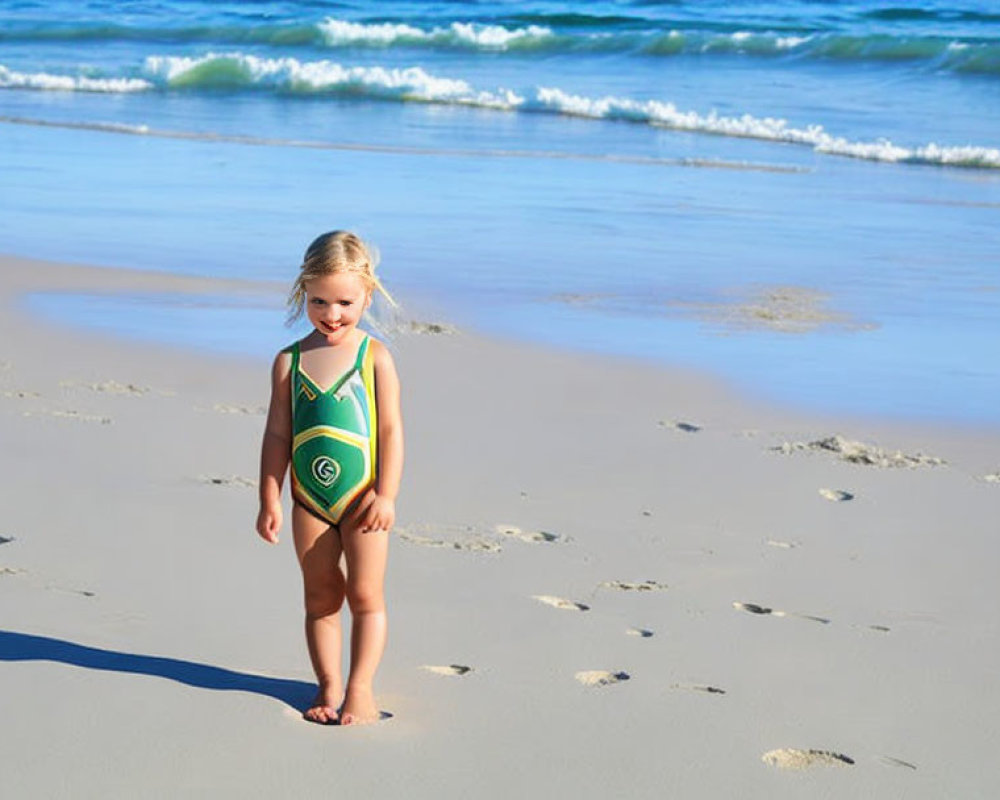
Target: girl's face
(335, 303)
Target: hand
(269, 522)
(379, 515)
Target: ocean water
(802, 197)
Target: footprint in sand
(629, 586)
(560, 602)
(10, 570)
(67, 590)
(792, 758)
(781, 544)
(993, 477)
(896, 762)
(695, 687)
(601, 677)
(295, 714)
(20, 394)
(448, 670)
(861, 453)
(469, 546)
(836, 495)
(677, 425)
(229, 480)
(108, 387)
(467, 538)
(433, 328)
(531, 537)
(753, 608)
(223, 408)
(642, 633)
(70, 414)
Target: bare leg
(366, 555)
(318, 548)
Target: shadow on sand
(25, 647)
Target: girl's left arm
(381, 513)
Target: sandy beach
(608, 580)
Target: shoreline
(116, 282)
(604, 575)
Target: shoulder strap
(294, 376)
(361, 352)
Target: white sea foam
(123, 127)
(667, 115)
(9, 79)
(496, 36)
(338, 32)
(790, 42)
(411, 83)
(738, 42)
(341, 32)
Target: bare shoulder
(282, 365)
(381, 356)
(279, 412)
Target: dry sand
(610, 580)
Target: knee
(365, 597)
(323, 597)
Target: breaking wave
(289, 76)
(554, 34)
(461, 35)
(9, 79)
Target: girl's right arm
(276, 449)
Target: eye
(318, 301)
(346, 303)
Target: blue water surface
(638, 173)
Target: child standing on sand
(334, 423)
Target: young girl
(334, 419)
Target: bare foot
(359, 708)
(323, 710)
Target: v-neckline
(343, 377)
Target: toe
(321, 715)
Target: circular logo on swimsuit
(325, 470)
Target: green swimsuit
(333, 436)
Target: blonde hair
(331, 253)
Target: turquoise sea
(800, 196)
